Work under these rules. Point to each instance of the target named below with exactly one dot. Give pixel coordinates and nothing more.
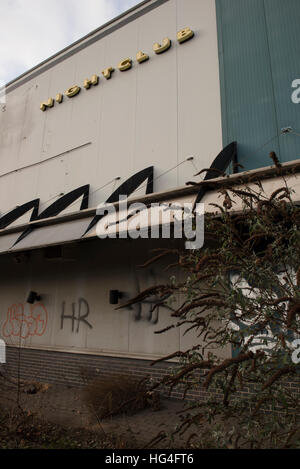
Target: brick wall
(74, 369)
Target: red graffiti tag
(25, 321)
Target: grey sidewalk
(65, 406)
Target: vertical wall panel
(259, 56)
(283, 19)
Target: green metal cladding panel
(259, 52)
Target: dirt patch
(58, 416)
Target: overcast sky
(33, 30)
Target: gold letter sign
(49, 103)
(59, 98)
(73, 91)
(107, 72)
(159, 49)
(184, 35)
(92, 82)
(125, 65)
(141, 57)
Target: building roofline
(85, 41)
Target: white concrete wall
(89, 273)
(158, 113)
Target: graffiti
(152, 315)
(25, 321)
(267, 338)
(83, 314)
(151, 312)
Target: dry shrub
(35, 388)
(108, 396)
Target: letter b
(184, 35)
